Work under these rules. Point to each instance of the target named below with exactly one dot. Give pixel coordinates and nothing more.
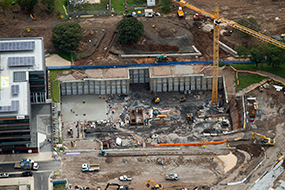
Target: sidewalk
(12, 158)
(18, 182)
(55, 60)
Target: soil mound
(252, 149)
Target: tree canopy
(27, 5)
(49, 4)
(130, 30)
(242, 52)
(249, 23)
(66, 36)
(165, 6)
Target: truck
(149, 13)
(171, 176)
(125, 178)
(26, 165)
(90, 167)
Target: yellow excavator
(265, 141)
(156, 99)
(156, 186)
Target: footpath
(39, 157)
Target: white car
(125, 178)
(36, 166)
(4, 175)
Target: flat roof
(18, 57)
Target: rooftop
(18, 56)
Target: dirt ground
(98, 33)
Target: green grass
(246, 80)
(55, 94)
(59, 187)
(8, 2)
(58, 6)
(119, 6)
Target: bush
(166, 6)
(27, 5)
(66, 36)
(130, 30)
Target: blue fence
(59, 182)
(141, 65)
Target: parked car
(3, 175)
(27, 174)
(125, 178)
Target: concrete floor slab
(187, 69)
(94, 108)
(107, 73)
(161, 71)
(56, 60)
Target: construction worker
(71, 109)
(83, 101)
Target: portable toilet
(139, 13)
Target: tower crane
(217, 21)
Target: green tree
(49, 4)
(27, 5)
(256, 56)
(242, 52)
(130, 30)
(165, 6)
(245, 22)
(66, 36)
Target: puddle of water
(228, 161)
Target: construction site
(155, 126)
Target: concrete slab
(107, 73)
(187, 69)
(161, 71)
(56, 60)
(95, 108)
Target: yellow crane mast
(217, 21)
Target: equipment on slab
(171, 176)
(103, 153)
(180, 12)
(69, 131)
(125, 187)
(217, 20)
(266, 140)
(183, 99)
(161, 58)
(156, 186)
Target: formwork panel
(181, 83)
(204, 83)
(102, 87)
(170, 84)
(119, 91)
(91, 87)
(193, 83)
(176, 84)
(86, 87)
(220, 83)
(97, 87)
(136, 76)
(154, 85)
(74, 88)
(141, 76)
(187, 83)
(164, 84)
(113, 87)
(159, 85)
(68, 89)
(80, 88)
(209, 82)
(108, 87)
(63, 89)
(146, 73)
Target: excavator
(156, 186)
(125, 187)
(266, 140)
(156, 99)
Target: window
(20, 76)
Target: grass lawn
(55, 94)
(118, 5)
(58, 8)
(246, 80)
(59, 187)
(251, 66)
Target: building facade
(25, 111)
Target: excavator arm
(156, 186)
(265, 141)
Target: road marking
(41, 177)
(42, 187)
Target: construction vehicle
(266, 140)
(217, 20)
(180, 12)
(171, 176)
(197, 17)
(103, 153)
(161, 162)
(156, 186)
(27, 165)
(161, 58)
(90, 167)
(189, 117)
(125, 178)
(182, 99)
(125, 187)
(156, 99)
(69, 131)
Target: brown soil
(252, 149)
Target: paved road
(41, 180)
(44, 166)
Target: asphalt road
(41, 180)
(44, 166)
